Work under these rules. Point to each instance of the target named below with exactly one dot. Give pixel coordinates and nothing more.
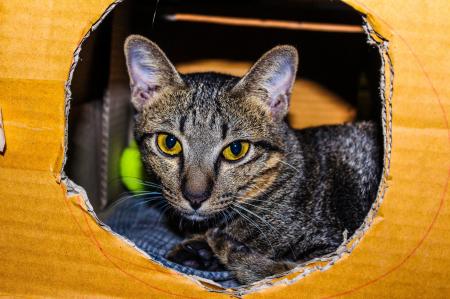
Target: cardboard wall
(51, 246)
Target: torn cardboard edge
(2, 134)
(304, 269)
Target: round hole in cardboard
(100, 104)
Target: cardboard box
(52, 245)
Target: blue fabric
(147, 228)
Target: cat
(222, 149)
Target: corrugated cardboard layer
(51, 246)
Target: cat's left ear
(271, 79)
(151, 73)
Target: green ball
(131, 169)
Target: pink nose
(196, 199)
(196, 187)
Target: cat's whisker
(137, 203)
(180, 224)
(159, 205)
(164, 210)
(252, 199)
(224, 216)
(143, 182)
(264, 192)
(140, 203)
(143, 196)
(143, 193)
(229, 216)
(267, 223)
(137, 220)
(278, 204)
(263, 201)
(140, 192)
(288, 164)
(262, 208)
(254, 224)
(139, 180)
(171, 199)
(132, 193)
(259, 217)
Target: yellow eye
(236, 150)
(168, 144)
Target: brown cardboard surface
(51, 246)
(2, 133)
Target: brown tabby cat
(222, 150)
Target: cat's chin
(194, 216)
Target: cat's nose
(196, 199)
(196, 188)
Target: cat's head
(212, 139)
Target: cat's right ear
(151, 73)
(271, 79)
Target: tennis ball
(131, 168)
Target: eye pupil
(170, 141)
(236, 148)
(168, 144)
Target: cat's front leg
(247, 265)
(194, 253)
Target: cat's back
(343, 164)
(353, 143)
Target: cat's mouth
(198, 216)
(195, 216)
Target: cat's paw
(195, 254)
(224, 245)
(247, 264)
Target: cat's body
(288, 198)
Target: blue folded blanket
(148, 229)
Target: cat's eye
(236, 150)
(168, 144)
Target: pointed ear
(271, 79)
(150, 71)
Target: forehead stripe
(224, 130)
(268, 146)
(182, 123)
